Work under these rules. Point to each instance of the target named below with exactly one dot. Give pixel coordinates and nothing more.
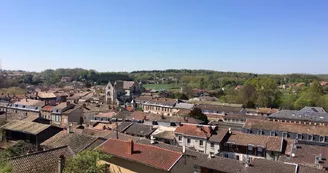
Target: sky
(259, 36)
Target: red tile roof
(138, 115)
(201, 131)
(47, 108)
(153, 156)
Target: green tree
(86, 161)
(198, 114)
(5, 165)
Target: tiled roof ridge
(146, 145)
(40, 152)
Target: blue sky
(261, 36)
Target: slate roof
(140, 129)
(291, 127)
(217, 108)
(219, 135)
(145, 154)
(305, 155)
(313, 109)
(77, 142)
(301, 116)
(123, 126)
(25, 127)
(44, 161)
(184, 106)
(201, 131)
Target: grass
(162, 86)
(12, 90)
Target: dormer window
(273, 133)
(250, 149)
(322, 139)
(310, 137)
(248, 131)
(259, 132)
(284, 134)
(299, 136)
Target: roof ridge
(164, 149)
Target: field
(12, 90)
(162, 86)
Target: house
(63, 113)
(323, 83)
(47, 97)
(103, 117)
(123, 126)
(128, 156)
(241, 146)
(77, 142)
(305, 133)
(32, 132)
(266, 111)
(193, 136)
(308, 155)
(50, 161)
(139, 130)
(26, 107)
(305, 116)
(240, 118)
(162, 106)
(121, 90)
(140, 100)
(220, 110)
(165, 135)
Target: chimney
(36, 94)
(26, 99)
(183, 149)
(68, 103)
(61, 163)
(69, 128)
(130, 146)
(229, 130)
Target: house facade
(314, 134)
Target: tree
(198, 114)
(87, 161)
(5, 166)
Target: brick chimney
(130, 146)
(68, 103)
(36, 94)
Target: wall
(158, 110)
(118, 165)
(214, 150)
(194, 143)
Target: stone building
(121, 91)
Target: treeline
(264, 92)
(211, 80)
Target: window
(273, 133)
(197, 169)
(299, 136)
(250, 149)
(212, 145)
(259, 151)
(310, 137)
(322, 139)
(201, 143)
(284, 134)
(259, 132)
(248, 131)
(180, 138)
(188, 140)
(237, 157)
